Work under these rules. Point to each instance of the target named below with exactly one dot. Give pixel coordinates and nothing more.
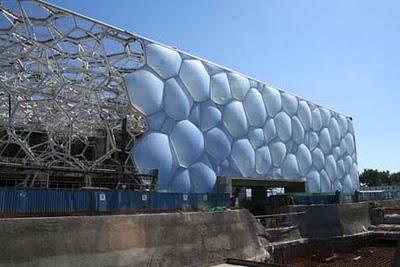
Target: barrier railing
(321, 198)
(343, 197)
(370, 195)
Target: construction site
(116, 150)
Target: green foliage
(204, 206)
(217, 209)
(372, 177)
(395, 178)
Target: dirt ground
(372, 256)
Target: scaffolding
(63, 101)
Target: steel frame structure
(63, 101)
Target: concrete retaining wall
(335, 220)
(390, 203)
(175, 239)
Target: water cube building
(81, 94)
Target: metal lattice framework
(63, 101)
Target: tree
(372, 177)
(395, 178)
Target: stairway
(386, 223)
(282, 228)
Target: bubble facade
(205, 121)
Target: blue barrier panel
(56, 202)
(11, 201)
(174, 202)
(38, 201)
(101, 200)
(83, 201)
(212, 200)
(151, 201)
(21, 200)
(6, 203)
(135, 200)
(222, 200)
(35, 200)
(313, 199)
(52, 201)
(194, 201)
(113, 201)
(164, 201)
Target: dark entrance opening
(259, 194)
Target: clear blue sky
(341, 54)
